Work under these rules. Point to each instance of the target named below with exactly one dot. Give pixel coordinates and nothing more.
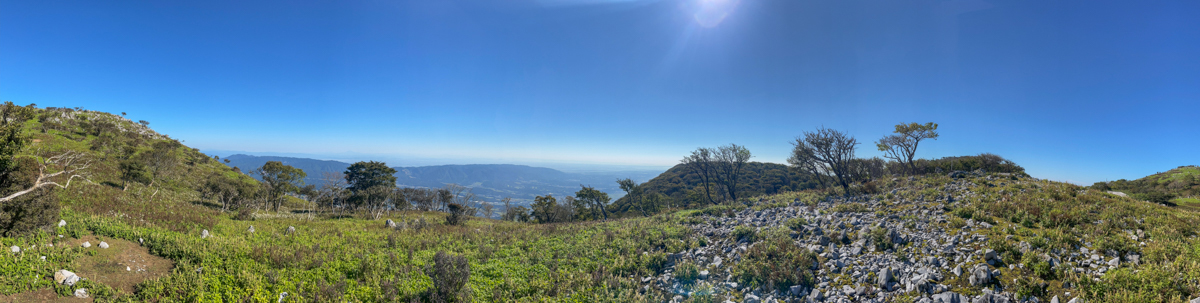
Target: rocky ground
(885, 248)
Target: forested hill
(489, 182)
(681, 186)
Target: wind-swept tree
(633, 192)
(804, 158)
(901, 146)
(543, 208)
(595, 200)
(831, 150)
(278, 180)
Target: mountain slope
(1179, 186)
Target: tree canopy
(367, 174)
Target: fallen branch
(69, 161)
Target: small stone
(43, 258)
(204, 234)
(957, 270)
(103, 244)
(950, 297)
(290, 230)
(281, 296)
(87, 244)
(389, 223)
(251, 229)
(128, 269)
(751, 298)
(81, 293)
(141, 241)
(62, 223)
(816, 296)
(703, 274)
(15, 249)
(1054, 299)
(796, 290)
(1114, 262)
(1074, 300)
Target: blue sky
(1079, 91)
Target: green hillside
(1177, 187)
(150, 199)
(681, 186)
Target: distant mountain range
(489, 182)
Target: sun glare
(710, 13)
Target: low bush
(777, 263)
(687, 272)
(745, 233)
(851, 208)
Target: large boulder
(885, 277)
(980, 276)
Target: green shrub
(745, 233)
(957, 223)
(796, 224)
(687, 272)
(450, 274)
(776, 263)
(882, 240)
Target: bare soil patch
(121, 266)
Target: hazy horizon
(1072, 91)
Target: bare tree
(444, 197)
(902, 146)
(461, 194)
(701, 163)
(69, 165)
(804, 158)
(730, 161)
(487, 209)
(332, 193)
(161, 159)
(832, 150)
